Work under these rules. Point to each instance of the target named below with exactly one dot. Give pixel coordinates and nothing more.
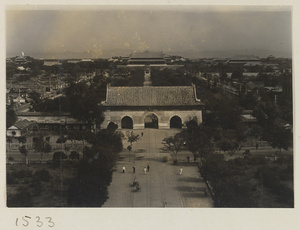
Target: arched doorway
(126, 123)
(175, 122)
(151, 121)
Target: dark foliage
(21, 199)
(59, 156)
(74, 155)
(42, 175)
(11, 117)
(169, 77)
(89, 189)
(11, 178)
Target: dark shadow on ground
(186, 164)
(190, 179)
(196, 194)
(191, 188)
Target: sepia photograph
(167, 107)
(148, 106)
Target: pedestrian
(145, 170)
(148, 168)
(142, 134)
(124, 169)
(180, 171)
(188, 158)
(133, 169)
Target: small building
(53, 122)
(248, 118)
(21, 128)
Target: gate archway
(126, 123)
(151, 121)
(175, 122)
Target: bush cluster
(42, 175)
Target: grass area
(39, 185)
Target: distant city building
(244, 60)
(52, 62)
(147, 59)
(74, 61)
(20, 60)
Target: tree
(228, 141)
(85, 103)
(131, 137)
(58, 156)
(89, 189)
(74, 155)
(42, 146)
(11, 117)
(198, 139)
(22, 139)
(67, 149)
(9, 139)
(24, 152)
(279, 137)
(175, 144)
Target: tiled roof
(152, 96)
(147, 54)
(23, 124)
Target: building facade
(162, 107)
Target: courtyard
(162, 186)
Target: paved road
(161, 183)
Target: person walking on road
(188, 158)
(180, 171)
(133, 169)
(145, 170)
(148, 168)
(124, 169)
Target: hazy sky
(137, 29)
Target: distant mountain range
(185, 53)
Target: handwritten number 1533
(38, 221)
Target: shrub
(74, 155)
(10, 158)
(23, 173)
(11, 178)
(21, 199)
(257, 160)
(61, 139)
(37, 187)
(42, 175)
(58, 156)
(284, 160)
(165, 159)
